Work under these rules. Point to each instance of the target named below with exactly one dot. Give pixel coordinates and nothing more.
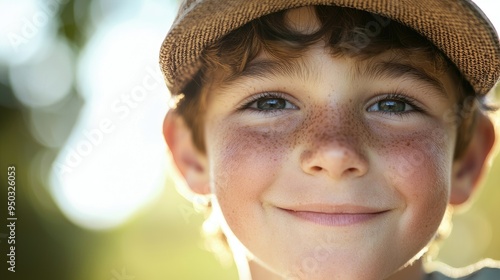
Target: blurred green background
(81, 106)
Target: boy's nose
(334, 159)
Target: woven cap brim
(457, 27)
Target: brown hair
(347, 32)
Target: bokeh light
(49, 75)
(26, 25)
(118, 136)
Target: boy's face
(330, 165)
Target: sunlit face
(335, 168)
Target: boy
(330, 137)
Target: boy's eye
(269, 103)
(393, 106)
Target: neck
(251, 270)
(258, 272)
(411, 272)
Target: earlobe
(470, 168)
(192, 164)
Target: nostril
(351, 170)
(334, 161)
(316, 168)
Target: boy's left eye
(271, 104)
(392, 106)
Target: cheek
(244, 162)
(418, 167)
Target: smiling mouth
(335, 219)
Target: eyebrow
(401, 70)
(265, 68)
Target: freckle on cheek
(245, 155)
(417, 162)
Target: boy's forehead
(393, 63)
(446, 23)
(389, 64)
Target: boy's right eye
(269, 102)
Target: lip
(335, 215)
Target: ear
(191, 163)
(471, 167)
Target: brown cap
(457, 27)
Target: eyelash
(265, 95)
(398, 97)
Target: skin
(329, 182)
